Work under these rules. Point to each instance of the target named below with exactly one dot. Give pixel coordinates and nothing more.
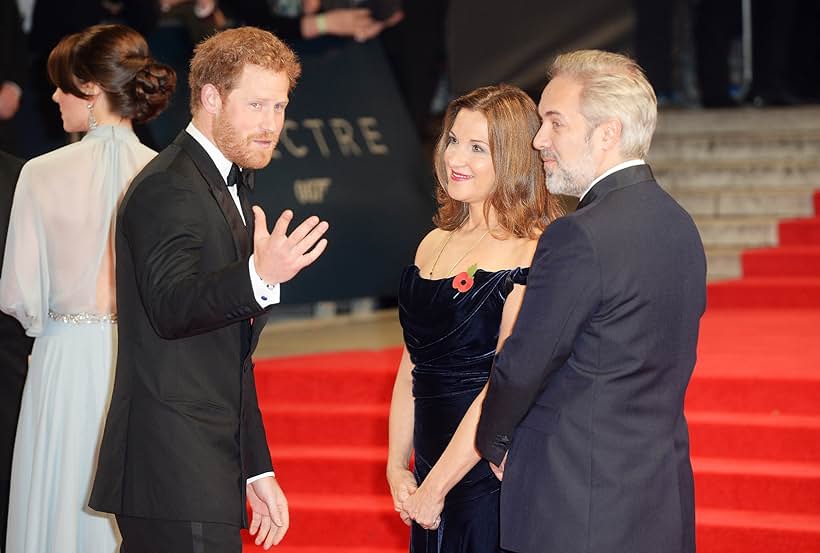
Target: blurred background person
(457, 305)
(417, 53)
(13, 69)
(14, 349)
(184, 23)
(289, 19)
(58, 281)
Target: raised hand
(278, 257)
(271, 519)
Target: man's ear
(611, 133)
(210, 99)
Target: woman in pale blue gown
(58, 281)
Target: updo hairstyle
(115, 57)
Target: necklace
(433, 268)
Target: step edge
(756, 467)
(770, 520)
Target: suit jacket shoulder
(10, 168)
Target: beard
(240, 149)
(569, 179)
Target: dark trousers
(146, 535)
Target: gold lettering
(345, 137)
(311, 191)
(372, 135)
(292, 148)
(315, 125)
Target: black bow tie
(242, 178)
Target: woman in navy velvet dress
(457, 304)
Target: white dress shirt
(26, 9)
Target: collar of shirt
(26, 9)
(602, 176)
(222, 163)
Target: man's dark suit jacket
(14, 349)
(13, 46)
(184, 429)
(13, 65)
(588, 390)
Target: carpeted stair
(326, 419)
(754, 403)
(786, 276)
(738, 172)
(753, 408)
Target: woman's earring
(92, 121)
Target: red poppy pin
(464, 281)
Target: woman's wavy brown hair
(519, 196)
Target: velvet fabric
(452, 337)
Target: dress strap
(519, 275)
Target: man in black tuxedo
(14, 349)
(13, 70)
(584, 411)
(184, 442)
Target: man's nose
(542, 140)
(268, 122)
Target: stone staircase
(738, 172)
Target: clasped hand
(278, 257)
(415, 503)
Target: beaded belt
(82, 318)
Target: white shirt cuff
(253, 479)
(265, 294)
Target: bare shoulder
(527, 252)
(429, 245)
(523, 251)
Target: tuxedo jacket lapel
(618, 179)
(257, 323)
(247, 213)
(242, 232)
(219, 191)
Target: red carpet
(753, 408)
(754, 402)
(787, 276)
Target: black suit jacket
(51, 21)
(14, 348)
(184, 429)
(587, 392)
(13, 46)
(259, 14)
(13, 66)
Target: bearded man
(184, 444)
